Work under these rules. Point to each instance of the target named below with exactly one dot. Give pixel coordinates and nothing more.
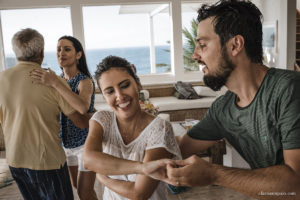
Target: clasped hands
(193, 171)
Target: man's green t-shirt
(262, 130)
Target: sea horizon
(139, 56)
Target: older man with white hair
(29, 115)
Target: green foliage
(168, 67)
(190, 36)
(189, 46)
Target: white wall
(291, 34)
(258, 3)
(285, 13)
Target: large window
(149, 34)
(139, 33)
(52, 23)
(189, 34)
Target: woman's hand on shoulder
(44, 76)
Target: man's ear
(236, 44)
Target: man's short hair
(236, 17)
(28, 45)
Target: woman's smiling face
(121, 92)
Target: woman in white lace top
(119, 141)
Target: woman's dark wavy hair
(110, 62)
(82, 65)
(237, 17)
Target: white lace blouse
(158, 134)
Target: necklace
(128, 136)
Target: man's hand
(157, 169)
(193, 171)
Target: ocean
(139, 56)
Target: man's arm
(275, 182)
(190, 146)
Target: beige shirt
(29, 115)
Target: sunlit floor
(11, 192)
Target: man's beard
(215, 82)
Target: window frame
(2, 56)
(176, 47)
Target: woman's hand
(44, 76)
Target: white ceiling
(150, 8)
